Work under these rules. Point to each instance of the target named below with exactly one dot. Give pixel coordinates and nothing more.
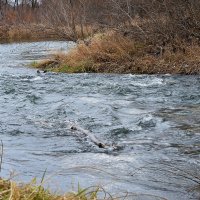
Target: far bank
(112, 52)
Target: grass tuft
(9, 190)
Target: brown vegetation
(134, 36)
(31, 191)
(24, 33)
(111, 52)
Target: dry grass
(9, 190)
(19, 33)
(185, 60)
(94, 53)
(112, 52)
(108, 47)
(42, 32)
(32, 32)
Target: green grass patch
(73, 69)
(34, 64)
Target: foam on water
(147, 82)
(37, 78)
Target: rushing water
(153, 120)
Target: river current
(154, 121)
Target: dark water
(154, 121)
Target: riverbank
(109, 52)
(41, 32)
(31, 191)
(145, 39)
(112, 52)
(32, 32)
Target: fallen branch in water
(90, 136)
(94, 139)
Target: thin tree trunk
(73, 20)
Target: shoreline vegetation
(11, 190)
(111, 52)
(31, 191)
(37, 32)
(113, 36)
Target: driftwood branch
(90, 135)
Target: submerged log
(96, 141)
(91, 136)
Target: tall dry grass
(9, 190)
(101, 50)
(38, 32)
(112, 52)
(31, 32)
(183, 60)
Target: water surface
(153, 120)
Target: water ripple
(150, 119)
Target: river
(154, 121)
